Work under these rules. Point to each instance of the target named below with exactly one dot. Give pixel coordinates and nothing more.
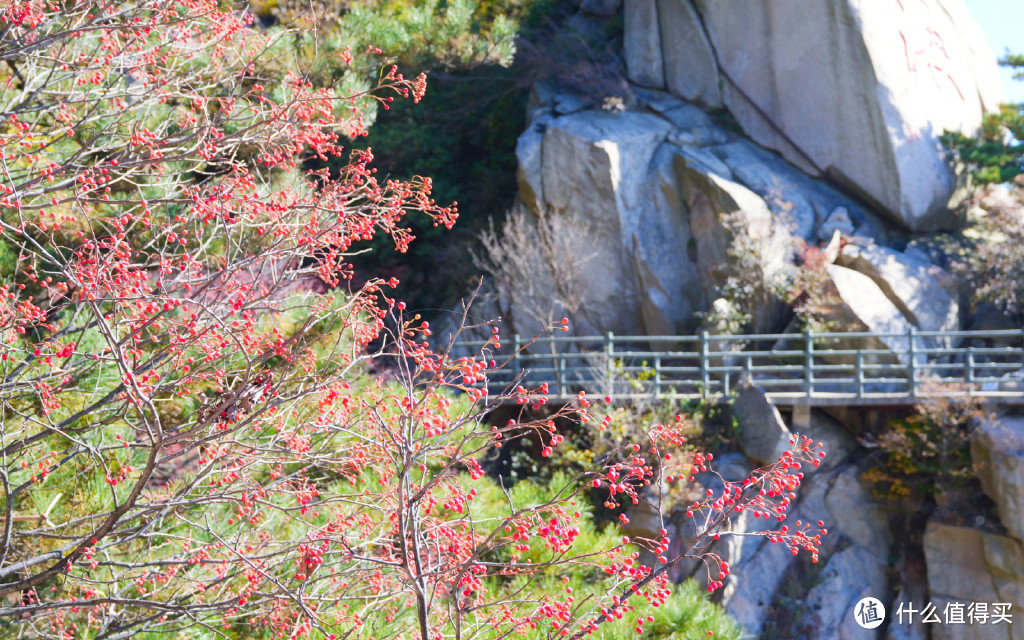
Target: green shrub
(996, 154)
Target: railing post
(970, 364)
(860, 373)
(809, 362)
(705, 365)
(657, 376)
(609, 354)
(517, 366)
(911, 353)
(561, 376)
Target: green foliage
(686, 614)
(996, 154)
(416, 34)
(929, 452)
(463, 134)
(8, 263)
(422, 33)
(481, 56)
(1014, 61)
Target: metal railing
(809, 368)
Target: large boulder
(854, 554)
(997, 450)
(848, 576)
(798, 201)
(877, 289)
(719, 210)
(924, 293)
(966, 566)
(528, 157)
(669, 201)
(854, 514)
(752, 585)
(764, 437)
(859, 304)
(659, 203)
(758, 568)
(685, 69)
(594, 166)
(857, 90)
(855, 559)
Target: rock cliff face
(666, 192)
(964, 559)
(970, 566)
(998, 454)
(839, 105)
(855, 90)
(771, 593)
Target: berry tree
(191, 444)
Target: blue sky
(1003, 24)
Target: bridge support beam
(801, 420)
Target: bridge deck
(859, 369)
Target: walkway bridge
(808, 369)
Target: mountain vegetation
(213, 427)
